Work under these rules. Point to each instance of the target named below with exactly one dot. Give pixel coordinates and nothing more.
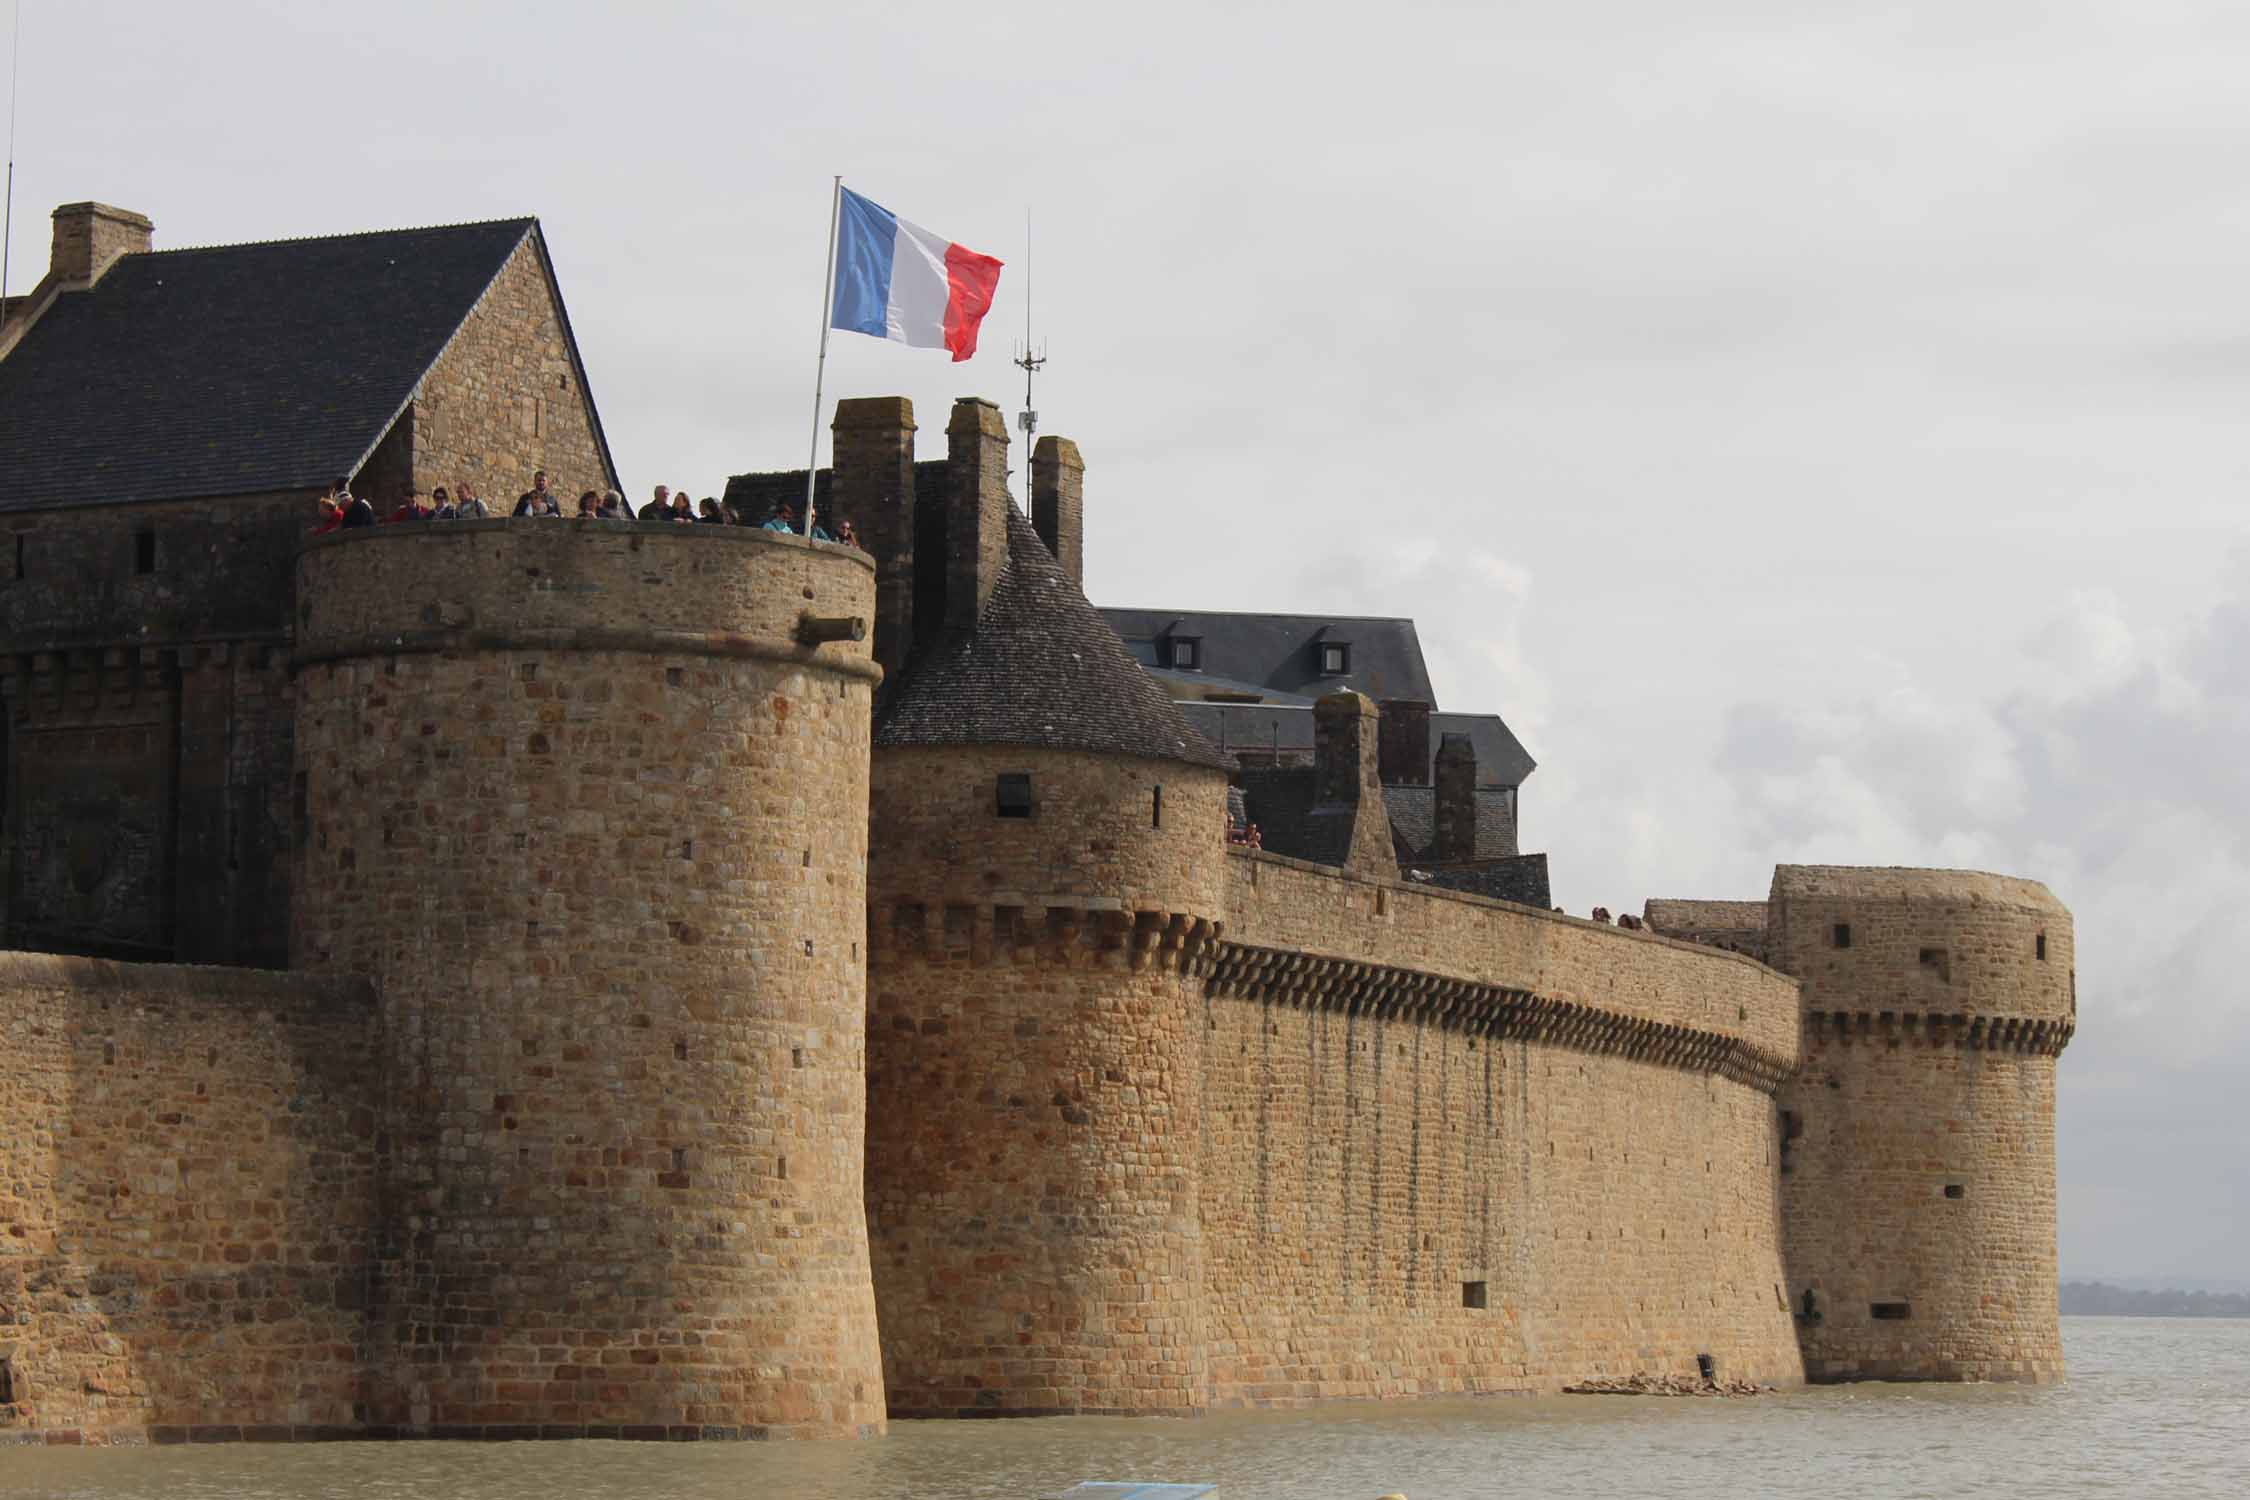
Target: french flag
(898, 281)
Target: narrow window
(1889, 1312)
(1156, 806)
(1956, 1190)
(19, 554)
(1706, 1367)
(1187, 653)
(1335, 658)
(2039, 947)
(1473, 1294)
(1014, 794)
(1934, 960)
(144, 550)
(1841, 935)
(300, 810)
(7, 1383)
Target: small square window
(1956, 1190)
(1187, 653)
(1473, 1294)
(1014, 794)
(1335, 658)
(1890, 1312)
(1841, 936)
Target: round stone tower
(1918, 1152)
(1047, 866)
(589, 801)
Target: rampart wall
(187, 1200)
(589, 801)
(1458, 1146)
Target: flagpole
(820, 371)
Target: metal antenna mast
(8, 214)
(1029, 362)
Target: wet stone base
(164, 1436)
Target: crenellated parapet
(1093, 933)
(2028, 1035)
(1354, 988)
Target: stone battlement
(582, 585)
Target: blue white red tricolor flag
(898, 281)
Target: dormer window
(1186, 653)
(1335, 658)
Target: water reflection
(2153, 1406)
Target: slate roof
(1281, 652)
(1501, 757)
(239, 368)
(1413, 811)
(1040, 669)
(1522, 879)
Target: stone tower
(1918, 1155)
(1048, 864)
(590, 803)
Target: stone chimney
(1058, 503)
(873, 488)
(89, 238)
(1456, 814)
(976, 512)
(1346, 783)
(1405, 742)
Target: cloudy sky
(1814, 425)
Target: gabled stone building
(167, 419)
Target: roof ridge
(526, 220)
(1251, 614)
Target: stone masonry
(681, 1051)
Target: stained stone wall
(187, 1200)
(1454, 1146)
(589, 801)
(1919, 1194)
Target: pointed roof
(1040, 669)
(238, 369)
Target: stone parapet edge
(1514, 908)
(697, 535)
(581, 639)
(1353, 987)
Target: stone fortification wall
(1919, 1186)
(187, 1197)
(1458, 1146)
(144, 724)
(589, 800)
(1737, 926)
(1034, 1079)
(1666, 991)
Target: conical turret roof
(1041, 669)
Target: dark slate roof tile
(1040, 669)
(1281, 652)
(234, 369)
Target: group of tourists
(341, 510)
